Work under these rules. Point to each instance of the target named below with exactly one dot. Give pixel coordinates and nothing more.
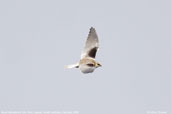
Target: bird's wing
(91, 45)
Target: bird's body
(87, 63)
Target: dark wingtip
(92, 28)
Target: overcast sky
(39, 37)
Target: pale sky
(39, 37)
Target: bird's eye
(91, 65)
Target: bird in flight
(87, 63)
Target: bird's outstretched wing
(91, 45)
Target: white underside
(86, 69)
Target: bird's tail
(72, 66)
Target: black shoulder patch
(92, 52)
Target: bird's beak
(99, 65)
